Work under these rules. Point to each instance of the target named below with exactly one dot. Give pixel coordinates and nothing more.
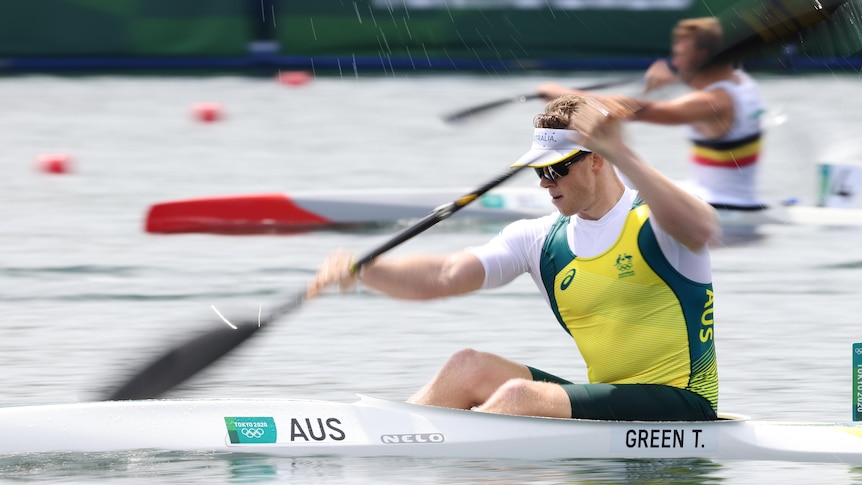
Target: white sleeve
(514, 251)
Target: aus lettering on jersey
(706, 319)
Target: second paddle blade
(182, 362)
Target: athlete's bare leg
(492, 384)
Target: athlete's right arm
(424, 276)
(413, 277)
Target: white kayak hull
(303, 211)
(375, 427)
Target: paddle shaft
(475, 110)
(437, 215)
(189, 358)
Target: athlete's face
(686, 56)
(574, 193)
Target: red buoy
(208, 112)
(54, 163)
(294, 78)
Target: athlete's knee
(472, 366)
(515, 396)
(527, 397)
(515, 390)
(466, 359)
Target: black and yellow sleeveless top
(634, 318)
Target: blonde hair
(706, 32)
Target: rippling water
(88, 296)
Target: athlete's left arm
(689, 220)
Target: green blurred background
(485, 35)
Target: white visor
(549, 147)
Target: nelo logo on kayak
(412, 438)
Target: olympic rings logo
(253, 433)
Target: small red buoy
(208, 112)
(54, 163)
(294, 78)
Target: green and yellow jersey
(634, 317)
(638, 304)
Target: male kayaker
(626, 272)
(723, 111)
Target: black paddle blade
(187, 359)
(184, 361)
(757, 28)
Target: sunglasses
(561, 169)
